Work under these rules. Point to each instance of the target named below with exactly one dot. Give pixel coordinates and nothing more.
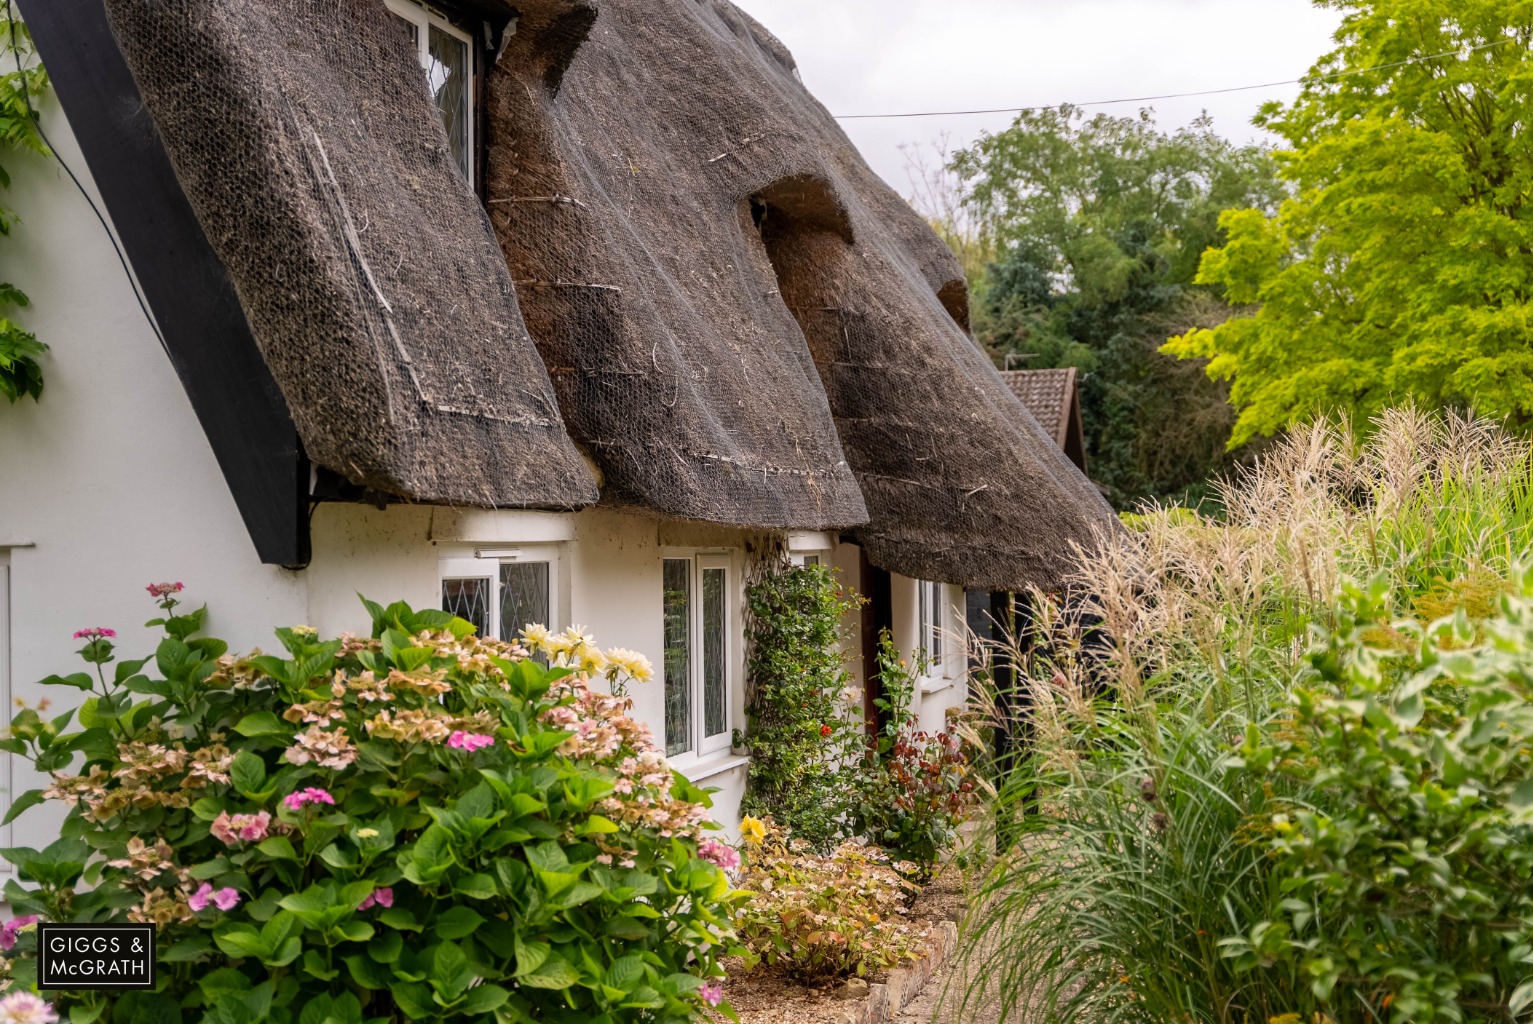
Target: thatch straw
(304, 137)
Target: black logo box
(79, 957)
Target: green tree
(1099, 224)
(1402, 268)
(20, 374)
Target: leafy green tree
(1402, 268)
(20, 373)
(1099, 224)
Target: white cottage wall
(108, 483)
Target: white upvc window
(503, 590)
(932, 622)
(698, 606)
(446, 53)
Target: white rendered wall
(109, 477)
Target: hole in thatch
(802, 203)
(561, 40)
(954, 297)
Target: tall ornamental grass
(1255, 790)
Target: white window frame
(7, 761)
(485, 562)
(425, 19)
(933, 638)
(702, 746)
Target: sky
(878, 56)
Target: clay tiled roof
(1049, 395)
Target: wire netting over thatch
(304, 137)
(680, 216)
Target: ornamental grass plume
(1143, 874)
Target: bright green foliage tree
(20, 374)
(1403, 267)
(1100, 223)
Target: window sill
(937, 685)
(713, 765)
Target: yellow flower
(367, 833)
(535, 637)
(622, 661)
(752, 830)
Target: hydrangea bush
(418, 825)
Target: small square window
(504, 592)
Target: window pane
(811, 560)
(923, 618)
(468, 598)
(935, 605)
(678, 655)
(523, 597)
(448, 73)
(714, 693)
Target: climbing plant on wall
(20, 373)
(801, 727)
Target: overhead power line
(1186, 95)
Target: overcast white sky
(875, 56)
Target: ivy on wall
(20, 373)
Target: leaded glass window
(524, 597)
(715, 623)
(468, 597)
(444, 52)
(677, 611)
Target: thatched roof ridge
(304, 137)
(696, 174)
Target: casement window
(931, 618)
(697, 605)
(504, 590)
(446, 54)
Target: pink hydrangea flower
(711, 993)
(95, 633)
(724, 856)
(310, 795)
(249, 828)
(164, 589)
(224, 899)
(470, 741)
(12, 928)
(379, 897)
(25, 1008)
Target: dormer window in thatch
(444, 52)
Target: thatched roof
(1053, 397)
(742, 324)
(666, 152)
(303, 135)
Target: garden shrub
(820, 916)
(800, 727)
(912, 789)
(1406, 871)
(420, 825)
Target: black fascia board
(186, 285)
